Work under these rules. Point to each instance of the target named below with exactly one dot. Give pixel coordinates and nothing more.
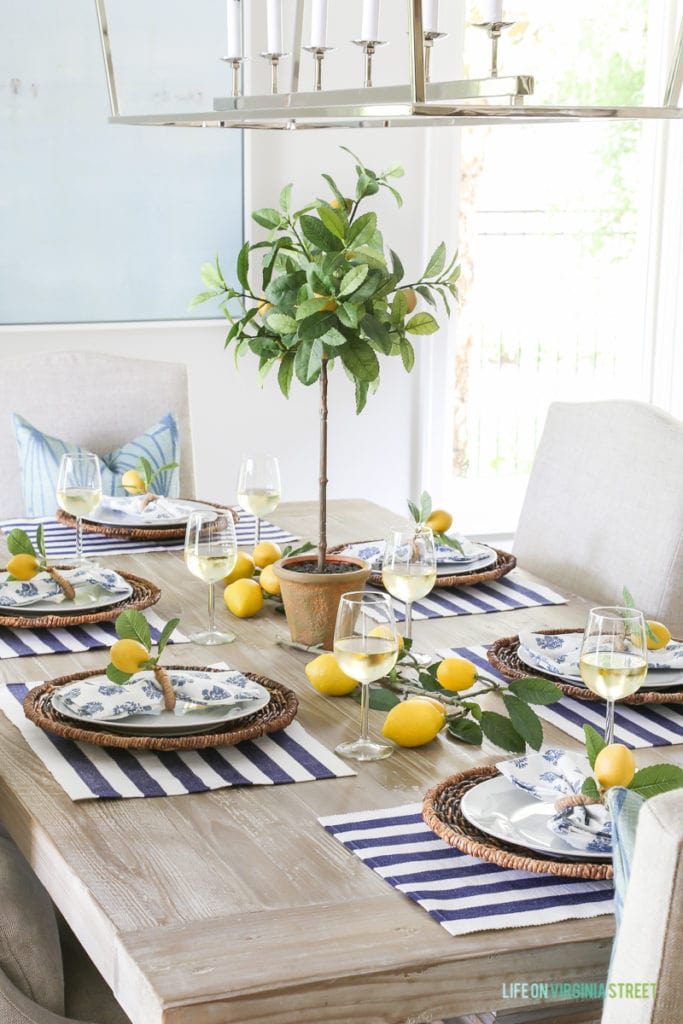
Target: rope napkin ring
(148, 499)
(574, 800)
(163, 679)
(69, 591)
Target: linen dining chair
(37, 986)
(604, 506)
(648, 949)
(92, 399)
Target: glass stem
(364, 706)
(212, 610)
(609, 723)
(257, 530)
(409, 620)
(79, 539)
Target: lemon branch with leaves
(615, 765)
(132, 653)
(26, 562)
(140, 480)
(438, 520)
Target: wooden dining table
(236, 905)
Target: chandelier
(494, 99)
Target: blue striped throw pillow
(40, 455)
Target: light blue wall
(103, 222)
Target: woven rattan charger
(276, 715)
(504, 563)
(503, 656)
(441, 813)
(138, 532)
(144, 594)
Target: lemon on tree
(244, 598)
(266, 553)
(23, 566)
(614, 765)
(269, 581)
(325, 676)
(413, 722)
(456, 674)
(243, 569)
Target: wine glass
(365, 648)
(613, 660)
(79, 491)
(258, 487)
(409, 569)
(210, 554)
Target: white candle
(319, 23)
(370, 24)
(430, 15)
(274, 20)
(234, 29)
(492, 10)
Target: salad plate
(103, 515)
(88, 599)
(656, 679)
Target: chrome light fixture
(418, 102)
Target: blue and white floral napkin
(559, 653)
(20, 593)
(554, 773)
(161, 508)
(373, 552)
(103, 701)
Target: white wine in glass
(79, 491)
(409, 570)
(366, 649)
(613, 660)
(210, 554)
(258, 487)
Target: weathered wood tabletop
(236, 905)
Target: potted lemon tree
(330, 294)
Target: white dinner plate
(88, 599)
(108, 517)
(481, 559)
(656, 679)
(167, 723)
(504, 811)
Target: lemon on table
(430, 700)
(413, 723)
(615, 765)
(661, 634)
(439, 521)
(23, 566)
(132, 482)
(325, 676)
(266, 553)
(456, 674)
(244, 598)
(385, 632)
(243, 569)
(128, 655)
(269, 581)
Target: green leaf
(473, 708)
(414, 511)
(367, 185)
(535, 691)
(500, 731)
(437, 262)
(657, 778)
(407, 354)
(353, 279)
(628, 600)
(333, 338)
(425, 506)
(370, 256)
(594, 743)
(242, 267)
(399, 308)
(132, 625)
(308, 360)
(395, 193)
(332, 221)
(396, 265)
(395, 170)
(202, 297)
(422, 323)
(362, 230)
(361, 389)
(317, 325)
(372, 284)
(19, 543)
(335, 191)
(284, 290)
(347, 313)
(360, 360)
(267, 217)
(467, 731)
(525, 721)
(281, 324)
(286, 198)
(589, 788)
(285, 373)
(166, 634)
(426, 293)
(40, 540)
(379, 698)
(115, 675)
(309, 307)
(377, 333)
(211, 277)
(146, 471)
(266, 364)
(316, 232)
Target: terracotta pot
(311, 599)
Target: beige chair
(649, 946)
(604, 506)
(92, 399)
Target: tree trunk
(322, 526)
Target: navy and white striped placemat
(464, 894)
(635, 725)
(18, 643)
(501, 595)
(60, 540)
(85, 772)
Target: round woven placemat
(277, 714)
(503, 656)
(441, 813)
(504, 563)
(144, 594)
(138, 532)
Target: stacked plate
(105, 515)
